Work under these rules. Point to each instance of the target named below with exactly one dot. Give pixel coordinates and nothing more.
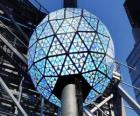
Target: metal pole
(69, 101)
(103, 113)
(101, 104)
(12, 96)
(42, 106)
(20, 94)
(87, 112)
(129, 100)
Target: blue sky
(113, 15)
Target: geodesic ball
(66, 42)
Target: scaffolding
(18, 96)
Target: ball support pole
(72, 99)
(69, 101)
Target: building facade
(133, 12)
(18, 19)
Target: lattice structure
(71, 41)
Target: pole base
(69, 101)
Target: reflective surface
(70, 41)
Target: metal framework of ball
(66, 42)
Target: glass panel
(49, 70)
(66, 27)
(44, 89)
(68, 68)
(66, 39)
(55, 100)
(33, 39)
(90, 77)
(91, 97)
(77, 45)
(59, 14)
(87, 38)
(51, 81)
(89, 65)
(84, 26)
(88, 14)
(56, 48)
(79, 59)
(57, 62)
(47, 31)
(35, 75)
(97, 45)
(56, 24)
(40, 29)
(102, 29)
(41, 65)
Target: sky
(113, 15)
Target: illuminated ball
(66, 42)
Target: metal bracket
(101, 103)
(5, 87)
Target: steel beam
(87, 112)
(21, 70)
(20, 93)
(42, 106)
(14, 22)
(19, 55)
(101, 103)
(10, 31)
(129, 100)
(5, 87)
(20, 24)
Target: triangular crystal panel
(79, 59)
(49, 70)
(56, 48)
(89, 64)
